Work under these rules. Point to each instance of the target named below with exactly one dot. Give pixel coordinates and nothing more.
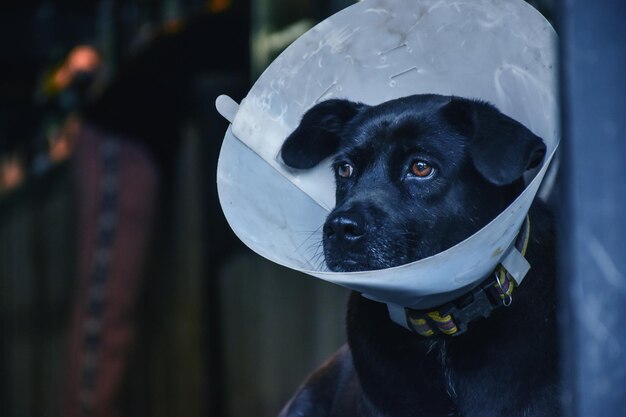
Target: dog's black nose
(345, 226)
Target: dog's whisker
(310, 234)
(316, 253)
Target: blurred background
(122, 290)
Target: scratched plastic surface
(501, 51)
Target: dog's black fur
(386, 215)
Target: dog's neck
(384, 351)
(493, 292)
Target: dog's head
(414, 175)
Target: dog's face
(414, 175)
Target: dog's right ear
(501, 148)
(317, 135)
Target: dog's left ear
(318, 134)
(501, 148)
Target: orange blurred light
(173, 26)
(62, 142)
(83, 58)
(217, 6)
(11, 173)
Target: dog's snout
(346, 226)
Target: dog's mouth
(376, 252)
(367, 257)
(345, 265)
(367, 238)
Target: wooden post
(593, 239)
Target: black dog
(415, 176)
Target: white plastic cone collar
(502, 51)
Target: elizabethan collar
(501, 51)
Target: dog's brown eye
(345, 170)
(421, 169)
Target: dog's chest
(441, 353)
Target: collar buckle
(453, 318)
